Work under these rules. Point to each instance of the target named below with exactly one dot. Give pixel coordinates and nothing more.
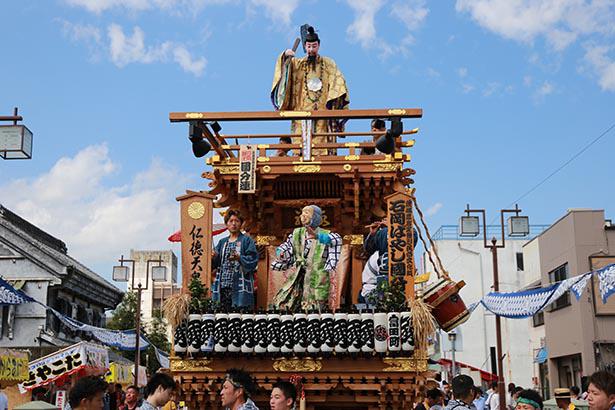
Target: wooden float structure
(352, 189)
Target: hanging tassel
(175, 308)
(423, 322)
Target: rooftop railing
(451, 232)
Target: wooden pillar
(196, 211)
(356, 271)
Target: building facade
(579, 336)
(39, 264)
(467, 259)
(153, 293)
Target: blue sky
(510, 91)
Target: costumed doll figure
(235, 259)
(310, 254)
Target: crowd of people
(238, 390)
(462, 394)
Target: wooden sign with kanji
(196, 224)
(400, 236)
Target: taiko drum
(447, 306)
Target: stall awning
(83, 358)
(484, 375)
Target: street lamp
(121, 274)
(15, 140)
(517, 226)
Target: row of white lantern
(298, 333)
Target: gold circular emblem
(266, 169)
(196, 210)
(347, 167)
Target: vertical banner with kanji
(401, 239)
(196, 224)
(247, 169)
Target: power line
(585, 148)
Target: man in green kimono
(310, 254)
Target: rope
(439, 268)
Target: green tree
(124, 318)
(125, 314)
(157, 336)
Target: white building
(467, 259)
(535, 325)
(156, 292)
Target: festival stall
(62, 367)
(13, 367)
(120, 373)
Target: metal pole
(453, 351)
(137, 351)
(498, 329)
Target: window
(519, 261)
(557, 275)
(538, 319)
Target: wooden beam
(295, 115)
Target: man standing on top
(235, 259)
(309, 83)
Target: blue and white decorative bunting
(11, 296)
(606, 280)
(120, 339)
(526, 303)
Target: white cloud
(98, 6)
(462, 72)
(363, 28)
(561, 22)
(491, 88)
(546, 88)
(603, 65)
(189, 64)
(136, 6)
(125, 50)
(432, 210)
(81, 32)
(99, 222)
(410, 13)
(527, 80)
(432, 72)
(278, 11)
(467, 88)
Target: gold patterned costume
(294, 88)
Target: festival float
(313, 331)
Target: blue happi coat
(243, 283)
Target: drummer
(376, 243)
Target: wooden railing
(220, 143)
